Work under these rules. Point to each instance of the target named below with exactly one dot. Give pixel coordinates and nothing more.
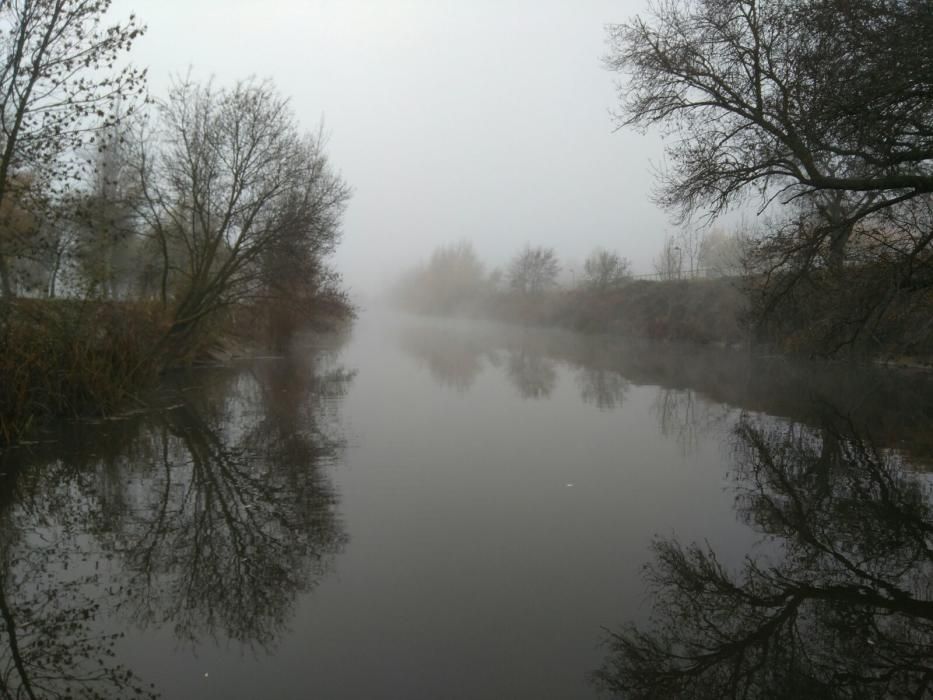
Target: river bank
(730, 312)
(700, 311)
(65, 358)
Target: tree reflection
(604, 388)
(454, 359)
(844, 612)
(533, 376)
(685, 416)
(50, 643)
(50, 649)
(239, 519)
(212, 516)
(692, 379)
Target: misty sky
(486, 120)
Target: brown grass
(71, 358)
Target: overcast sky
(486, 120)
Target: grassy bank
(69, 358)
(863, 311)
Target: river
(450, 509)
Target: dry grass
(71, 358)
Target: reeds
(65, 358)
(72, 358)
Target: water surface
(455, 509)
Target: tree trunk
(839, 226)
(6, 288)
(838, 242)
(53, 275)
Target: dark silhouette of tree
(824, 104)
(801, 96)
(49, 649)
(215, 515)
(238, 202)
(237, 520)
(50, 644)
(845, 612)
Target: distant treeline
(822, 113)
(454, 278)
(137, 232)
(824, 108)
(691, 296)
(706, 288)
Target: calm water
(456, 510)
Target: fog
(582, 451)
(487, 121)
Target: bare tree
(533, 270)
(108, 247)
(669, 264)
(845, 611)
(724, 254)
(453, 278)
(605, 270)
(58, 86)
(784, 98)
(228, 187)
(690, 243)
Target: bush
(703, 311)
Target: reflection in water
(453, 360)
(50, 647)
(685, 417)
(210, 516)
(678, 416)
(694, 382)
(604, 388)
(839, 607)
(533, 376)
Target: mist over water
(419, 349)
(421, 509)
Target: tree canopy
(604, 270)
(782, 98)
(533, 269)
(60, 84)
